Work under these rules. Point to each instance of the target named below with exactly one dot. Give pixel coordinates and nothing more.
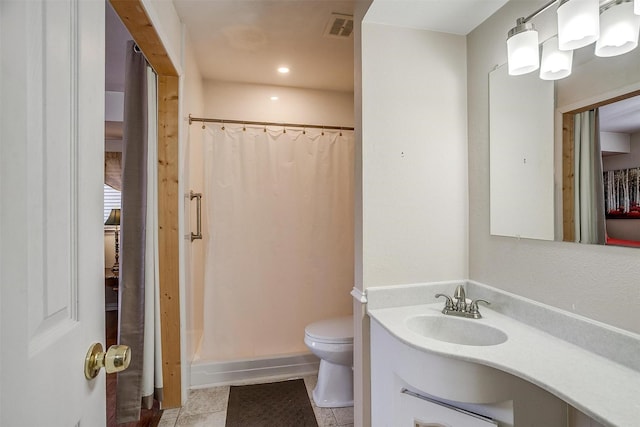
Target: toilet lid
(337, 330)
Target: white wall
(252, 102)
(414, 151)
(615, 142)
(192, 179)
(573, 277)
(411, 178)
(361, 362)
(624, 161)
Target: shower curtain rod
(246, 122)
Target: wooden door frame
(134, 17)
(568, 163)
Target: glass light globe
(523, 52)
(578, 23)
(556, 64)
(619, 28)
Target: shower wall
(236, 101)
(253, 102)
(192, 173)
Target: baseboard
(209, 373)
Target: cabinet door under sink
(417, 411)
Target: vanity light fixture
(619, 29)
(578, 23)
(283, 70)
(274, 98)
(556, 63)
(522, 48)
(613, 24)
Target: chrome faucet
(460, 307)
(461, 299)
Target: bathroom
(409, 228)
(422, 214)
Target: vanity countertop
(602, 388)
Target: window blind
(111, 200)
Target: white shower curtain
(152, 364)
(279, 246)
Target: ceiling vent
(339, 26)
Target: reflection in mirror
(595, 83)
(521, 128)
(601, 173)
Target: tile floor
(208, 407)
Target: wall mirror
(521, 111)
(520, 204)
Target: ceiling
(447, 16)
(247, 40)
(622, 116)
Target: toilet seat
(331, 331)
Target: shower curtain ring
(203, 124)
(284, 129)
(340, 131)
(304, 131)
(244, 127)
(322, 131)
(222, 124)
(265, 128)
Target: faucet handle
(449, 304)
(473, 307)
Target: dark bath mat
(281, 404)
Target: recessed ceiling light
(283, 70)
(274, 98)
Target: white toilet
(332, 341)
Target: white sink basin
(456, 330)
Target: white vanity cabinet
(461, 388)
(415, 411)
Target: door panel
(51, 248)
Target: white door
(51, 238)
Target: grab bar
(198, 197)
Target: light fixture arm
(538, 12)
(604, 4)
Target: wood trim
(135, 18)
(605, 102)
(137, 21)
(112, 130)
(168, 239)
(568, 173)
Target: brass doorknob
(116, 359)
